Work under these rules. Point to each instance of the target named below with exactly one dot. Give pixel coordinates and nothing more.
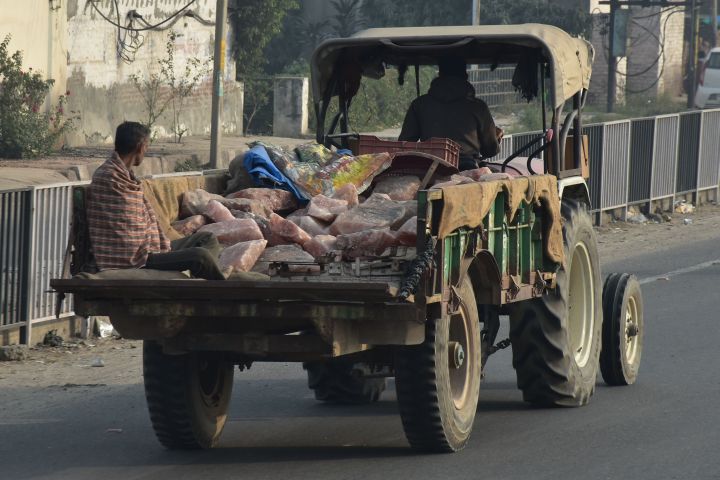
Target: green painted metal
(516, 246)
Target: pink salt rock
(407, 234)
(377, 212)
(217, 212)
(326, 209)
(321, 245)
(282, 232)
(368, 243)
(398, 188)
(194, 202)
(300, 212)
(476, 173)
(241, 257)
(311, 225)
(347, 192)
(190, 225)
(233, 231)
(496, 176)
(298, 260)
(255, 207)
(410, 211)
(277, 200)
(452, 181)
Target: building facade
(79, 44)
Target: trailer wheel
(341, 381)
(187, 396)
(438, 382)
(556, 339)
(623, 329)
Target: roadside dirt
(198, 146)
(51, 374)
(619, 240)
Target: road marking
(681, 271)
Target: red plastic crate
(443, 148)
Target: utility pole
(714, 21)
(476, 12)
(692, 73)
(612, 60)
(218, 77)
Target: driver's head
(452, 67)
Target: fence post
(677, 163)
(699, 159)
(29, 267)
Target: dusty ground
(199, 146)
(620, 240)
(68, 370)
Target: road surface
(663, 427)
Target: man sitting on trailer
(124, 230)
(451, 110)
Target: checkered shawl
(122, 224)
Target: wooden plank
(219, 289)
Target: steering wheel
(545, 136)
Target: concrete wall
(38, 29)
(290, 108)
(99, 78)
(654, 56)
(655, 52)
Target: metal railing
(495, 86)
(34, 230)
(632, 162)
(15, 227)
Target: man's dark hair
(129, 136)
(452, 67)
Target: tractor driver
(451, 110)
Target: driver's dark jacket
(450, 110)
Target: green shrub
(25, 130)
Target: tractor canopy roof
(338, 64)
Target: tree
(255, 23)
(399, 13)
(26, 130)
(413, 13)
(347, 19)
(575, 21)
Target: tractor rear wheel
(556, 339)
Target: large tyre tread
(429, 416)
(612, 369)
(165, 393)
(541, 355)
(169, 391)
(418, 396)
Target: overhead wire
(130, 38)
(148, 27)
(661, 40)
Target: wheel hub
(581, 304)
(457, 355)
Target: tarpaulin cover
(467, 205)
(264, 173)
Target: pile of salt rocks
(259, 226)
